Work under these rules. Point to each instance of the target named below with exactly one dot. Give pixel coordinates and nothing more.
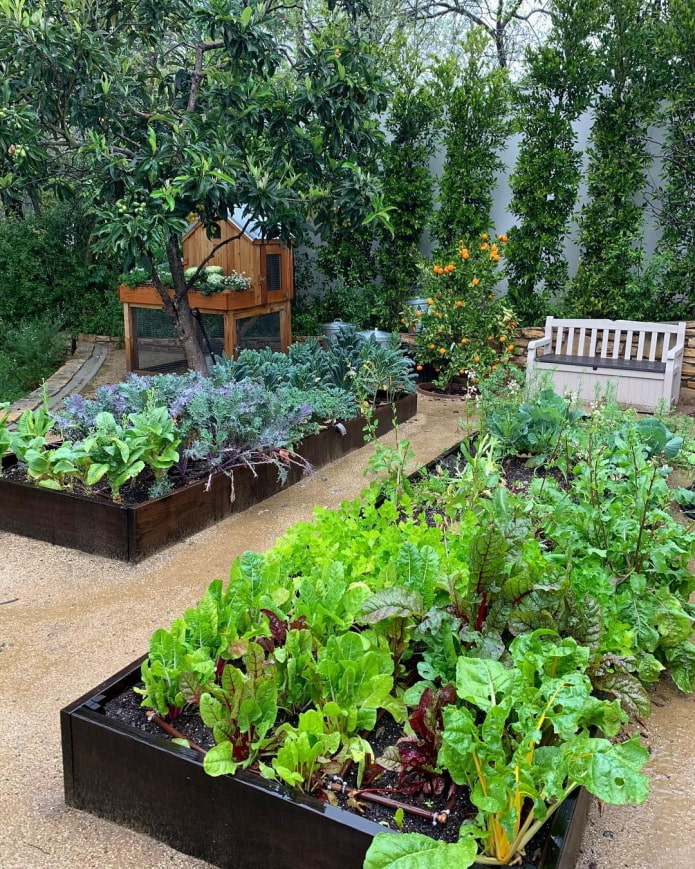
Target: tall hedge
(46, 267)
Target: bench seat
(595, 363)
(640, 363)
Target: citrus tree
(167, 112)
(466, 330)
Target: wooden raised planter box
(151, 785)
(133, 533)
(225, 300)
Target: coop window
(157, 346)
(260, 331)
(273, 271)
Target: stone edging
(90, 353)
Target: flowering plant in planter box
(467, 330)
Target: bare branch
(125, 151)
(198, 73)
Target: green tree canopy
(164, 112)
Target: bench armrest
(674, 352)
(539, 342)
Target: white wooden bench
(641, 361)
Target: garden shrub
(474, 128)
(466, 332)
(47, 265)
(30, 351)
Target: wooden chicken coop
(230, 320)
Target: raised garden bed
(151, 785)
(131, 533)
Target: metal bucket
(377, 335)
(337, 327)
(416, 305)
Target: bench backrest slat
(640, 347)
(582, 341)
(604, 342)
(592, 343)
(570, 340)
(652, 346)
(628, 344)
(616, 343)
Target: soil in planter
(134, 492)
(126, 709)
(517, 476)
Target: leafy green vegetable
(415, 851)
(525, 743)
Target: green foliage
(554, 93)
(535, 426)
(526, 738)
(474, 102)
(529, 603)
(408, 186)
(673, 267)
(53, 274)
(251, 411)
(4, 430)
(467, 332)
(287, 134)
(305, 750)
(612, 220)
(356, 679)
(415, 851)
(241, 710)
(206, 280)
(30, 351)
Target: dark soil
(134, 492)
(126, 709)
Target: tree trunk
(179, 309)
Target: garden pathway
(75, 375)
(69, 620)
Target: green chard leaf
(416, 851)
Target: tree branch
(198, 74)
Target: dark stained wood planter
(147, 783)
(133, 533)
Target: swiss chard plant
(520, 739)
